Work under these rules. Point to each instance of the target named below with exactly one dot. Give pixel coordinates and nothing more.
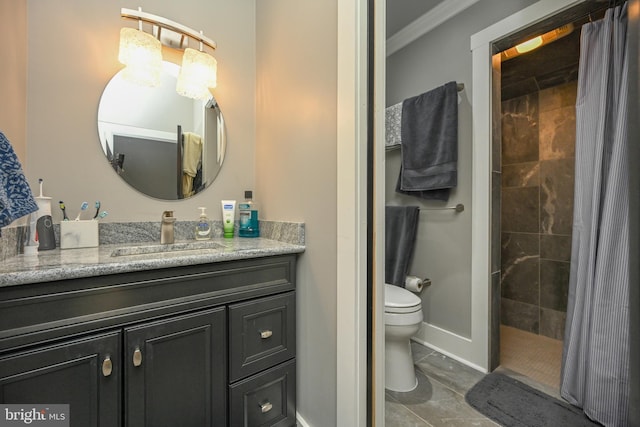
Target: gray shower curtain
(595, 362)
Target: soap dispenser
(203, 227)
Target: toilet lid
(396, 297)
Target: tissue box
(78, 234)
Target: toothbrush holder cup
(79, 234)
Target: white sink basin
(159, 248)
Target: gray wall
(443, 251)
(290, 162)
(296, 166)
(13, 74)
(72, 54)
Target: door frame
(360, 339)
(481, 216)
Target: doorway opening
(534, 148)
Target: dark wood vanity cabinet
(174, 371)
(207, 345)
(262, 377)
(70, 372)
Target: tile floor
(438, 401)
(439, 398)
(535, 357)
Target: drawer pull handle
(107, 366)
(137, 357)
(265, 334)
(266, 407)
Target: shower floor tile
(533, 356)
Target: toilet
(402, 320)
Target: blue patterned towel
(16, 199)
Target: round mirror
(162, 144)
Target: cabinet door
(175, 371)
(84, 374)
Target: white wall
(72, 54)
(296, 174)
(443, 251)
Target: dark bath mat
(511, 403)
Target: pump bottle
(203, 227)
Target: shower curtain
(595, 362)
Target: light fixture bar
(168, 24)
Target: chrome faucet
(166, 228)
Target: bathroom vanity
(180, 339)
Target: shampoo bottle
(249, 225)
(203, 227)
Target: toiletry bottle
(228, 218)
(44, 224)
(249, 226)
(203, 228)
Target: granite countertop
(60, 264)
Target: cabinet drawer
(261, 334)
(266, 399)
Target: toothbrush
(40, 181)
(64, 212)
(102, 215)
(97, 205)
(83, 208)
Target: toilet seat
(400, 300)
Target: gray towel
(429, 135)
(401, 227)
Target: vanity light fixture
(198, 73)
(141, 53)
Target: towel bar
(459, 88)
(458, 208)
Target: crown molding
(426, 23)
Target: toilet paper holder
(415, 284)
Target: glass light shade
(142, 55)
(197, 74)
(529, 45)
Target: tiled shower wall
(538, 145)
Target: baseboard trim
(301, 421)
(448, 354)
